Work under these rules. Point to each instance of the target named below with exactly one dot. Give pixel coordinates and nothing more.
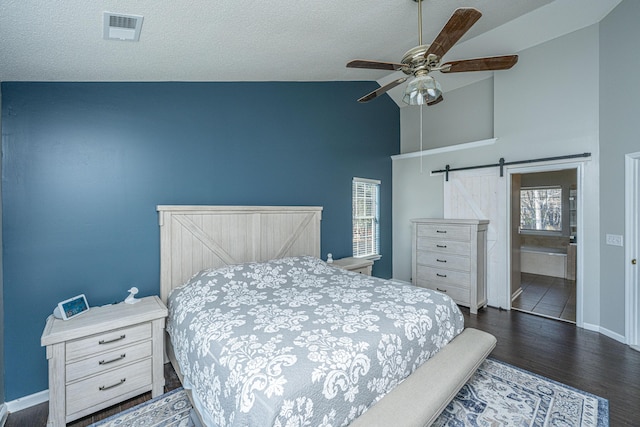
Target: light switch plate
(614, 240)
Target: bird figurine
(131, 299)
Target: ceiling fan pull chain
(419, 22)
(421, 153)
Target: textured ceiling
(278, 40)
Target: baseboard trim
(28, 401)
(4, 413)
(606, 332)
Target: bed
(291, 340)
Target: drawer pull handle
(107, 387)
(441, 290)
(106, 362)
(441, 275)
(441, 260)
(441, 231)
(121, 337)
(441, 246)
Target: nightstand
(104, 356)
(357, 265)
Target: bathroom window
(541, 209)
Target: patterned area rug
(497, 395)
(169, 410)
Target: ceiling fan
(425, 58)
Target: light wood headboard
(193, 238)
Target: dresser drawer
(109, 385)
(107, 341)
(445, 231)
(442, 260)
(459, 295)
(443, 246)
(109, 360)
(439, 275)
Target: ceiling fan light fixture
(422, 90)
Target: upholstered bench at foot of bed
(432, 386)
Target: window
(366, 215)
(541, 209)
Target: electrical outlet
(614, 240)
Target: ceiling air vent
(122, 27)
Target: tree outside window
(541, 209)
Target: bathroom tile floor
(547, 296)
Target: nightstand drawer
(107, 341)
(364, 270)
(356, 265)
(445, 231)
(109, 360)
(101, 388)
(438, 260)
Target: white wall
(547, 105)
(619, 114)
(469, 110)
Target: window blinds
(366, 212)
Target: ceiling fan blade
(459, 23)
(374, 65)
(436, 101)
(368, 97)
(480, 64)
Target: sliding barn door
(481, 194)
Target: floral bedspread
(296, 342)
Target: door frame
(631, 219)
(550, 166)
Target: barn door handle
(441, 260)
(441, 246)
(441, 231)
(441, 275)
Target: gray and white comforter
(296, 342)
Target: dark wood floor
(558, 350)
(547, 296)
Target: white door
(481, 194)
(516, 286)
(632, 237)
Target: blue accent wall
(85, 164)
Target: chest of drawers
(104, 356)
(449, 256)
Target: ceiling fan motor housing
(416, 60)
